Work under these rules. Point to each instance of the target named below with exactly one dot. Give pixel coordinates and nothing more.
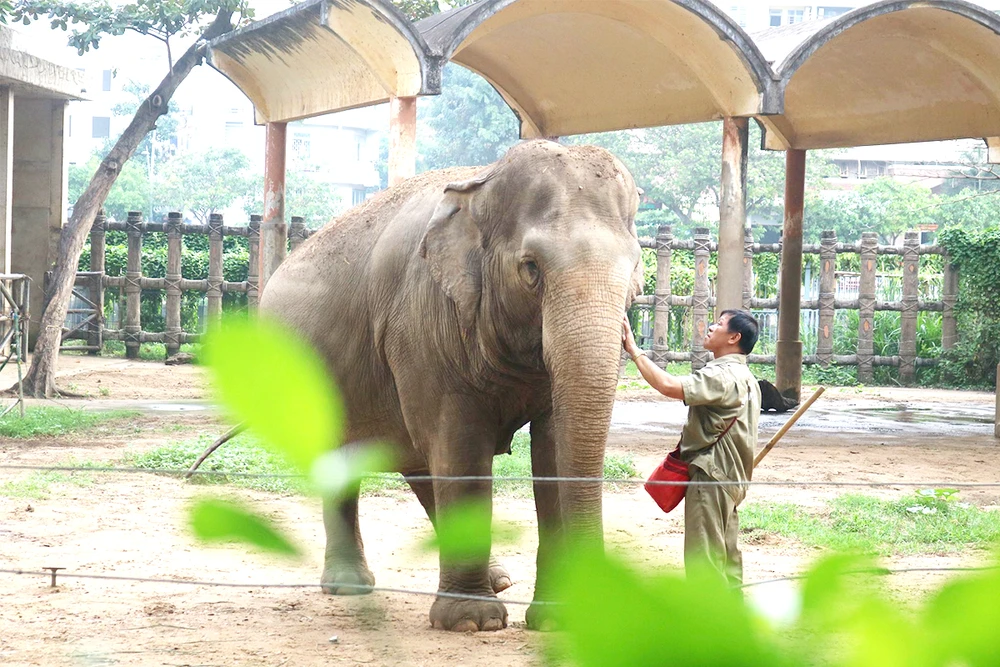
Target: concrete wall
(39, 192)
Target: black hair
(745, 324)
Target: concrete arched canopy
(578, 66)
(323, 56)
(892, 72)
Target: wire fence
(876, 571)
(483, 478)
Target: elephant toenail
(465, 625)
(493, 625)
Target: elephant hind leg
(345, 570)
(424, 490)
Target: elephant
(452, 310)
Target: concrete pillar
(788, 366)
(6, 174)
(39, 192)
(732, 215)
(402, 138)
(273, 231)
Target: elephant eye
(529, 271)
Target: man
(718, 440)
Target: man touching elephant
(718, 440)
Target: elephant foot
(541, 617)
(468, 615)
(499, 577)
(347, 580)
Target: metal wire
(484, 478)
(878, 571)
(226, 584)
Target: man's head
(735, 332)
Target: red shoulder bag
(673, 469)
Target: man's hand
(628, 339)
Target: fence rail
(91, 285)
(700, 302)
(89, 323)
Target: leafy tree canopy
(305, 196)
(421, 9)
(205, 182)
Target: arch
(326, 55)
(578, 66)
(893, 72)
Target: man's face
(718, 335)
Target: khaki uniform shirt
(723, 389)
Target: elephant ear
(453, 247)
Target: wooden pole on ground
(788, 424)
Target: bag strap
(723, 434)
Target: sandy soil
(133, 526)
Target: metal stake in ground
(784, 429)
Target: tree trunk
(40, 380)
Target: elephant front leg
(424, 490)
(466, 600)
(345, 570)
(550, 528)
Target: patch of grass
(909, 525)
(244, 454)
(38, 485)
(54, 421)
(147, 351)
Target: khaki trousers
(711, 525)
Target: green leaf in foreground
(463, 532)
(275, 382)
(221, 521)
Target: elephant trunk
(581, 334)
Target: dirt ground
(133, 526)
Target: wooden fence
(697, 306)
(90, 285)
(701, 302)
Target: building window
(101, 127)
(106, 80)
(830, 12)
(795, 16)
(301, 146)
(739, 14)
(775, 18)
(357, 196)
(69, 126)
(233, 130)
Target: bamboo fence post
(699, 300)
(173, 281)
(98, 245)
(908, 317)
(748, 286)
(253, 245)
(866, 306)
(296, 233)
(949, 295)
(661, 295)
(133, 290)
(215, 276)
(827, 295)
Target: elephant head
(540, 256)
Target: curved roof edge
(278, 39)
(800, 54)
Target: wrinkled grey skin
(454, 309)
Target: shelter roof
(891, 72)
(578, 66)
(322, 56)
(30, 76)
